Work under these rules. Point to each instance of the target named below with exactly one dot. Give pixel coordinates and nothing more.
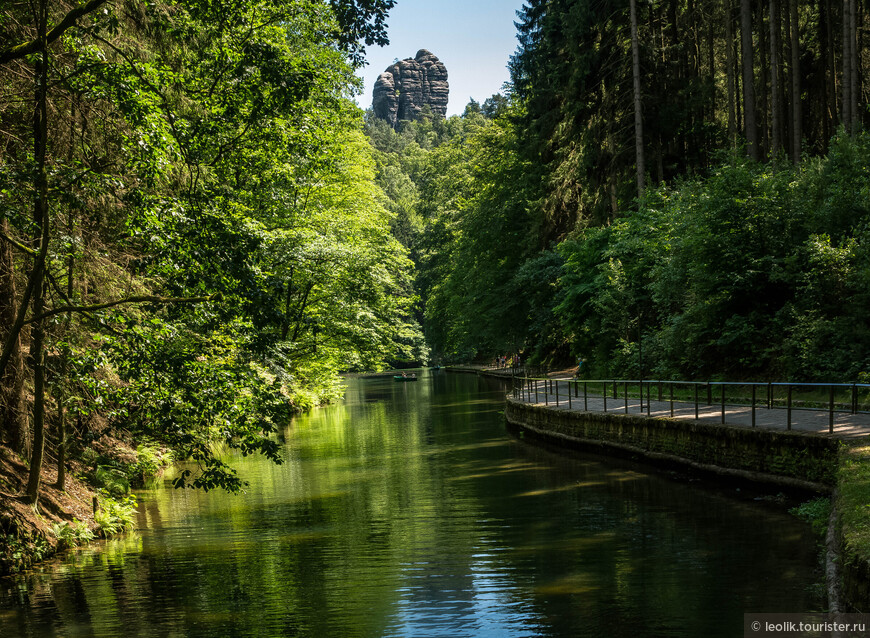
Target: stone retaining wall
(782, 457)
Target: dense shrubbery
(755, 271)
(532, 231)
(751, 271)
(194, 244)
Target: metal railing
(835, 398)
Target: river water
(410, 510)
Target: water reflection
(415, 514)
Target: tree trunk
(14, 430)
(795, 82)
(763, 92)
(638, 113)
(711, 59)
(40, 219)
(847, 69)
(729, 62)
(827, 53)
(749, 125)
(64, 364)
(696, 41)
(680, 66)
(854, 90)
(775, 105)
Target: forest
(192, 244)
(664, 190)
(199, 228)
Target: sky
(473, 38)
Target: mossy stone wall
(806, 458)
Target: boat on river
(399, 377)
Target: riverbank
(26, 535)
(91, 504)
(852, 511)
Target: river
(409, 510)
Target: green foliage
(476, 233)
(151, 458)
(20, 550)
(815, 512)
(736, 274)
(112, 480)
(853, 496)
(72, 534)
(114, 516)
(206, 157)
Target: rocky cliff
(406, 86)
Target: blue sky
(473, 38)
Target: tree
(775, 98)
(638, 112)
(192, 210)
(795, 83)
(750, 128)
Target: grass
(853, 500)
(816, 512)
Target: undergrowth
(113, 515)
(853, 500)
(816, 512)
(72, 534)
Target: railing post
(723, 403)
(695, 385)
(648, 399)
(854, 399)
(709, 393)
(536, 391)
(625, 389)
(546, 392)
(556, 381)
(769, 396)
(831, 411)
(753, 405)
(788, 410)
(585, 400)
(672, 400)
(604, 395)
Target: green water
(409, 510)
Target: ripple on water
(416, 514)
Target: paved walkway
(816, 421)
(846, 425)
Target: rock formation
(405, 87)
